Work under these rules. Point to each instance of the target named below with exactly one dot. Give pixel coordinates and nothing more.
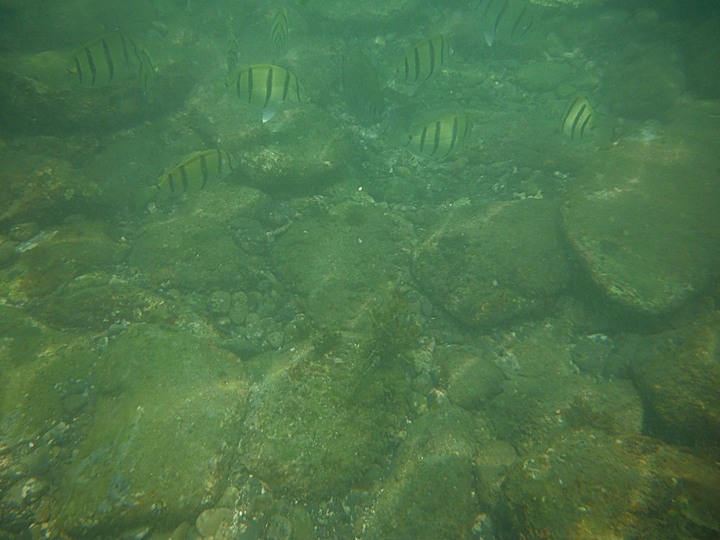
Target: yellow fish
(439, 137)
(268, 87)
(577, 120)
(111, 58)
(195, 171)
(423, 60)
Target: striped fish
(423, 60)
(577, 120)
(195, 171)
(279, 29)
(507, 19)
(110, 58)
(441, 136)
(269, 87)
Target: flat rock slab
(644, 220)
(489, 264)
(677, 373)
(339, 263)
(168, 408)
(590, 485)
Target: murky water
(305, 269)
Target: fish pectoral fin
(268, 113)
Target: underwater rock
(678, 375)
(342, 261)
(471, 377)
(431, 493)
(303, 153)
(37, 97)
(317, 422)
(189, 253)
(489, 264)
(202, 245)
(168, 405)
(586, 484)
(55, 257)
(643, 220)
(544, 396)
(645, 84)
(41, 188)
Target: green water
(452, 274)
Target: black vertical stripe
(422, 139)
(286, 85)
(268, 86)
(171, 182)
(431, 52)
(79, 69)
(407, 68)
(585, 124)
(219, 167)
(517, 21)
(126, 54)
(184, 177)
(436, 138)
(249, 85)
(108, 60)
(417, 64)
(91, 65)
(454, 135)
(576, 120)
(203, 170)
(499, 16)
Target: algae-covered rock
(202, 245)
(677, 373)
(36, 361)
(340, 262)
(431, 493)
(302, 152)
(168, 406)
(37, 96)
(589, 485)
(193, 253)
(317, 422)
(471, 377)
(643, 219)
(486, 265)
(38, 187)
(625, 86)
(54, 257)
(544, 396)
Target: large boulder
(343, 261)
(677, 373)
(167, 407)
(643, 220)
(490, 264)
(589, 485)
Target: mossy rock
(490, 264)
(643, 219)
(342, 262)
(168, 408)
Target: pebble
(220, 303)
(211, 519)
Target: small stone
(219, 303)
(210, 520)
(276, 340)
